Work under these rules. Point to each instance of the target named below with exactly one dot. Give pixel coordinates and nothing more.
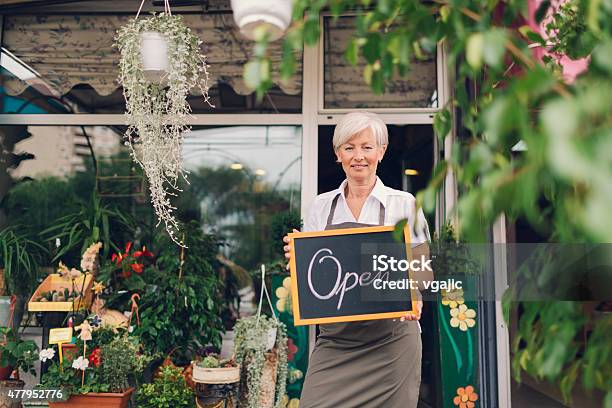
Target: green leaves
(487, 47)
(257, 74)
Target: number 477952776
(35, 394)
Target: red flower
(144, 252)
(291, 349)
(126, 274)
(136, 267)
(95, 357)
(127, 247)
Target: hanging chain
(166, 7)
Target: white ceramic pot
(274, 15)
(222, 375)
(154, 55)
(270, 338)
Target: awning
(66, 50)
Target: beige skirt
(364, 364)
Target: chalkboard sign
(339, 275)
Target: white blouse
(398, 205)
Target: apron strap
(381, 215)
(332, 210)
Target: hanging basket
(154, 55)
(273, 15)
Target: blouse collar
(379, 191)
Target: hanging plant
(252, 342)
(160, 63)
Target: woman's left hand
(415, 316)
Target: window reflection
(243, 176)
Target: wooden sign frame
(299, 321)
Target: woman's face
(360, 155)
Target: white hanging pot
(274, 15)
(154, 55)
(270, 338)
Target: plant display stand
(216, 387)
(216, 395)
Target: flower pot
(154, 55)
(221, 375)
(98, 400)
(5, 400)
(5, 311)
(273, 15)
(270, 339)
(5, 373)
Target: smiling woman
(348, 356)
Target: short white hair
(355, 122)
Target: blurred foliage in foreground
(559, 181)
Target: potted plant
(180, 308)
(15, 353)
(20, 257)
(214, 370)
(157, 110)
(169, 389)
(259, 363)
(101, 375)
(68, 290)
(273, 15)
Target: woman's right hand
(287, 248)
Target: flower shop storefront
(254, 167)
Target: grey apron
(367, 364)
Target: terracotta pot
(5, 373)
(70, 351)
(98, 400)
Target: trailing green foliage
(529, 145)
(250, 347)
(157, 110)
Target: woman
(374, 363)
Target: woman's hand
(287, 248)
(416, 316)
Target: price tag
(61, 335)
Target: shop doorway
(407, 166)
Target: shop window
(344, 87)
(240, 179)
